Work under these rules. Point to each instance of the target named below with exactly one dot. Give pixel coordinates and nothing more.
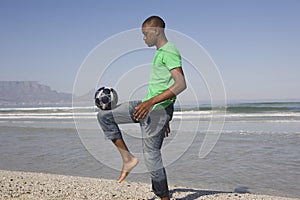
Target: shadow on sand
(193, 193)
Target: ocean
(247, 147)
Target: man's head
(155, 21)
(153, 30)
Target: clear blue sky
(255, 43)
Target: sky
(255, 44)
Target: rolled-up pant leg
(153, 130)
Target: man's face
(149, 35)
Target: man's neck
(161, 43)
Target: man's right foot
(127, 167)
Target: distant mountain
(30, 93)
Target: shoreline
(31, 185)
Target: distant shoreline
(33, 93)
(28, 185)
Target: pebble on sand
(26, 185)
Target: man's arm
(179, 85)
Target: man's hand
(142, 110)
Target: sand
(25, 185)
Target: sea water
(254, 146)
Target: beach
(256, 153)
(25, 185)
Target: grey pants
(153, 128)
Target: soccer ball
(106, 98)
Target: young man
(154, 112)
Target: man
(154, 112)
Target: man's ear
(157, 31)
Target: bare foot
(127, 167)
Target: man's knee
(104, 116)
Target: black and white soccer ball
(106, 98)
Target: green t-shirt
(166, 58)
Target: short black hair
(155, 21)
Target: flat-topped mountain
(30, 93)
